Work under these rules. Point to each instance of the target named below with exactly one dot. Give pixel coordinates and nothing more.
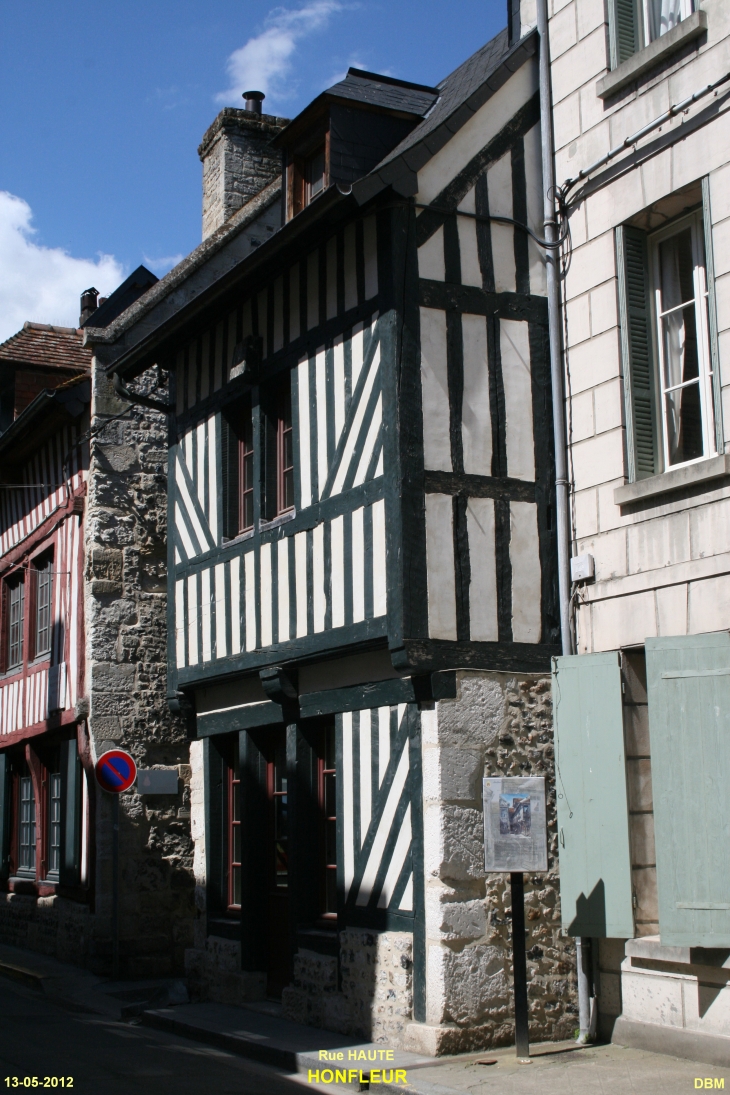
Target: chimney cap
(254, 100)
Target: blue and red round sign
(116, 771)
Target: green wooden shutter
(637, 351)
(4, 816)
(593, 816)
(624, 33)
(688, 682)
(71, 776)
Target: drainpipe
(558, 393)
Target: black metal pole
(115, 887)
(519, 964)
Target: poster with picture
(515, 833)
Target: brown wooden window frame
(246, 482)
(299, 171)
(284, 449)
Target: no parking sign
(116, 771)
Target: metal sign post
(116, 771)
(515, 841)
(519, 965)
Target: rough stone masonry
(125, 610)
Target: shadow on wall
(590, 913)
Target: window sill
(282, 519)
(717, 467)
(652, 55)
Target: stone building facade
(647, 367)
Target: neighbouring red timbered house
(44, 800)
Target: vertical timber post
(519, 965)
(115, 887)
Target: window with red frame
(42, 631)
(234, 830)
(328, 837)
(284, 450)
(245, 468)
(15, 608)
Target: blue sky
(102, 108)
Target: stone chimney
(238, 161)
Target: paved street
(104, 1057)
(563, 1070)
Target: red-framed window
(42, 572)
(233, 827)
(15, 621)
(42, 784)
(246, 468)
(284, 450)
(327, 766)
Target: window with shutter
(637, 351)
(634, 24)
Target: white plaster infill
(676, 479)
(652, 55)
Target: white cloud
(39, 283)
(265, 61)
(162, 265)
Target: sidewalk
(258, 1032)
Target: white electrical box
(582, 568)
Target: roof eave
(130, 360)
(401, 172)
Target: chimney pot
(253, 101)
(88, 304)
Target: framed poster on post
(515, 829)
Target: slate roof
(70, 398)
(43, 344)
(384, 91)
(138, 282)
(458, 87)
(460, 96)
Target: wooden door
(277, 867)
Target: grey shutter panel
(593, 816)
(688, 683)
(624, 33)
(229, 478)
(637, 351)
(4, 816)
(71, 776)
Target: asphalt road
(41, 1039)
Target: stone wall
(126, 675)
(375, 997)
(498, 725)
(238, 162)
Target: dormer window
(307, 177)
(315, 174)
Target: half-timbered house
(362, 599)
(82, 668)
